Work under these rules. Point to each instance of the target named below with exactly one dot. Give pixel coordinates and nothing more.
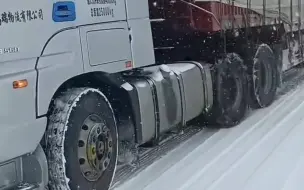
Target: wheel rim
(95, 147)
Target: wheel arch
(109, 85)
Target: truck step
(27, 186)
(147, 156)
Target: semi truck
(89, 81)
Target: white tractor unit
(84, 82)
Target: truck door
(104, 36)
(106, 47)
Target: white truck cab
(43, 45)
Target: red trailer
(258, 21)
(244, 30)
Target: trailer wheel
(263, 75)
(81, 141)
(230, 90)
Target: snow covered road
(264, 152)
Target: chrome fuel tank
(168, 96)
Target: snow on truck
(84, 82)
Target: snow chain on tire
(263, 74)
(229, 111)
(64, 127)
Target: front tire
(81, 141)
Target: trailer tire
(81, 141)
(263, 78)
(230, 90)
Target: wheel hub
(96, 150)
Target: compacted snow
(264, 152)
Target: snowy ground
(264, 152)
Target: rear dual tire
(238, 86)
(230, 92)
(263, 78)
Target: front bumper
(21, 139)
